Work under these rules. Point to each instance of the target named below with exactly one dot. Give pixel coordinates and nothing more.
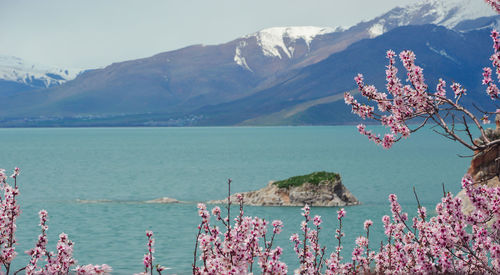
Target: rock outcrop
(323, 193)
(484, 167)
(163, 200)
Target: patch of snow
(17, 70)
(272, 40)
(341, 28)
(239, 58)
(453, 11)
(447, 13)
(441, 52)
(376, 29)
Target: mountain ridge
(190, 83)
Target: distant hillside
(312, 95)
(277, 76)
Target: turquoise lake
(114, 170)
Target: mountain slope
(180, 80)
(441, 52)
(284, 69)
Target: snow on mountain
(281, 42)
(450, 12)
(239, 58)
(441, 52)
(447, 13)
(275, 41)
(35, 75)
(272, 39)
(376, 29)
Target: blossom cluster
(308, 249)
(9, 211)
(402, 103)
(495, 4)
(149, 257)
(452, 242)
(236, 248)
(41, 261)
(492, 89)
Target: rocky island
(318, 189)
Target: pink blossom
(458, 90)
(317, 220)
(340, 213)
(485, 119)
(367, 224)
(440, 91)
(59, 262)
(388, 141)
(216, 211)
(15, 173)
(239, 247)
(495, 4)
(277, 226)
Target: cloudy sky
(94, 33)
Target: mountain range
(276, 76)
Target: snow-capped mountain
(279, 42)
(266, 71)
(309, 44)
(447, 13)
(15, 69)
(274, 41)
(450, 12)
(281, 46)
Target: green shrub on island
(314, 178)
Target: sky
(94, 33)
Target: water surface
(119, 168)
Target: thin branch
(469, 114)
(416, 197)
(452, 122)
(196, 249)
(466, 156)
(481, 110)
(444, 135)
(19, 270)
(229, 208)
(455, 136)
(468, 131)
(421, 125)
